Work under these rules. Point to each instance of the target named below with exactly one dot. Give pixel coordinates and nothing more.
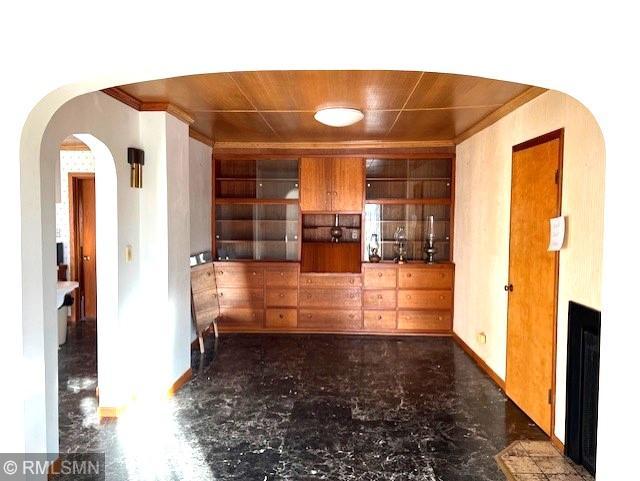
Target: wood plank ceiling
(278, 106)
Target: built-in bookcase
(256, 210)
(405, 193)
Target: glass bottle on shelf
(429, 247)
(400, 245)
(374, 248)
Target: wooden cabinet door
(315, 184)
(347, 184)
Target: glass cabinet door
(257, 179)
(408, 179)
(257, 232)
(384, 219)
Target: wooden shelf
(257, 179)
(395, 201)
(411, 179)
(249, 200)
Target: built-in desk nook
(294, 238)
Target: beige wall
(481, 243)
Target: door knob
(86, 258)
(509, 287)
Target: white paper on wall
(556, 233)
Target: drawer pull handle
(281, 316)
(408, 296)
(308, 281)
(379, 296)
(441, 276)
(221, 294)
(441, 298)
(282, 274)
(309, 316)
(253, 273)
(408, 274)
(220, 273)
(215, 295)
(208, 274)
(379, 317)
(281, 295)
(350, 316)
(439, 318)
(351, 296)
(351, 281)
(379, 274)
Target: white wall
(481, 249)
(154, 221)
(165, 252)
(200, 195)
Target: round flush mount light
(338, 117)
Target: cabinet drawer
(376, 320)
(228, 275)
(315, 280)
(330, 319)
(380, 277)
(425, 278)
(234, 296)
(281, 318)
(379, 299)
(330, 297)
(421, 299)
(281, 277)
(202, 278)
(241, 317)
(424, 320)
(282, 297)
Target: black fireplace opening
(583, 374)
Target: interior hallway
(303, 407)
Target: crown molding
(200, 137)
(526, 96)
(119, 94)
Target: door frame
(553, 135)
(74, 251)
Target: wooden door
(83, 242)
(347, 189)
(533, 272)
(315, 184)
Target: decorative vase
(336, 231)
(374, 247)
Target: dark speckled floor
(302, 408)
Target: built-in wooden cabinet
(331, 184)
(412, 298)
(278, 269)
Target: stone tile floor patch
(538, 461)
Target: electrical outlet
(481, 338)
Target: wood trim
(172, 109)
(559, 445)
(364, 148)
(344, 332)
(553, 135)
(74, 145)
(528, 95)
(119, 94)
(181, 381)
(110, 412)
(54, 468)
(481, 364)
(200, 137)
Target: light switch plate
(128, 253)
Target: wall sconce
(135, 157)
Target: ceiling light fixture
(338, 117)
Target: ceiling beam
(526, 96)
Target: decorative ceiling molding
(230, 149)
(526, 96)
(200, 137)
(119, 94)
